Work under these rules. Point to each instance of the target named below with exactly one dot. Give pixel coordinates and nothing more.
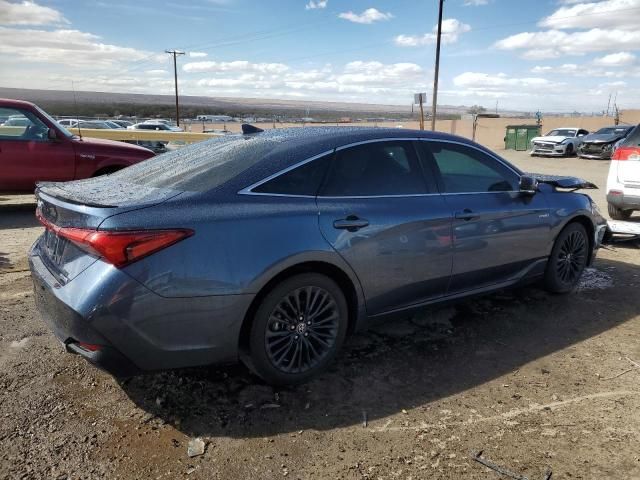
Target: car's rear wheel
(297, 329)
(568, 259)
(617, 213)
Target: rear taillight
(119, 248)
(626, 153)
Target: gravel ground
(534, 381)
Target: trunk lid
(84, 204)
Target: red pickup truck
(34, 147)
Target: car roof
(9, 102)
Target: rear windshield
(200, 167)
(611, 131)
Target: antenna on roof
(249, 129)
(75, 107)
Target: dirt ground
(534, 381)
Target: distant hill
(61, 102)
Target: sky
(527, 55)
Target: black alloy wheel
(298, 329)
(568, 259)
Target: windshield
(612, 130)
(64, 131)
(561, 132)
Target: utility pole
(175, 53)
(608, 105)
(437, 70)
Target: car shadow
(408, 363)
(18, 215)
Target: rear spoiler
(560, 181)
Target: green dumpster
(518, 137)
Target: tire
(568, 259)
(617, 213)
(569, 151)
(297, 329)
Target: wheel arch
(347, 284)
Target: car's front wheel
(568, 259)
(297, 329)
(617, 213)
(569, 151)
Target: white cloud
(67, 47)
(28, 13)
(197, 54)
(451, 31)
(558, 43)
(369, 16)
(475, 3)
(235, 66)
(617, 14)
(500, 85)
(616, 59)
(313, 5)
(156, 72)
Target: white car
(559, 142)
(623, 182)
(161, 121)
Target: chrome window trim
(249, 190)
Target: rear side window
(373, 169)
(467, 170)
(199, 167)
(303, 180)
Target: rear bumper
(71, 329)
(624, 201)
(136, 330)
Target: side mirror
(52, 135)
(528, 185)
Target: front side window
(467, 170)
(17, 124)
(375, 169)
(303, 180)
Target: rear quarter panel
(237, 247)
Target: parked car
(601, 144)
(17, 121)
(623, 182)
(114, 125)
(171, 126)
(559, 142)
(271, 247)
(94, 124)
(156, 146)
(40, 149)
(68, 122)
(123, 123)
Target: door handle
(352, 223)
(466, 214)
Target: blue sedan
(272, 247)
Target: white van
(623, 183)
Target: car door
(385, 218)
(27, 155)
(498, 232)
